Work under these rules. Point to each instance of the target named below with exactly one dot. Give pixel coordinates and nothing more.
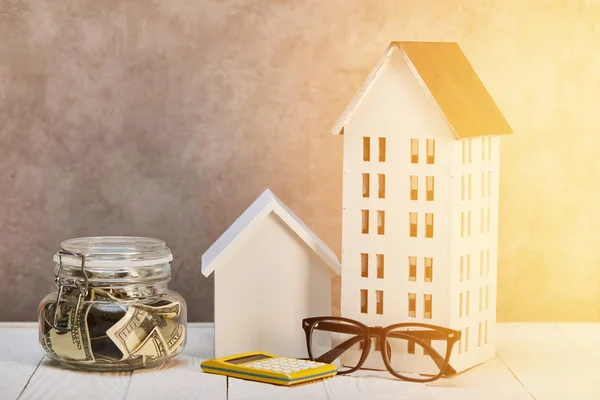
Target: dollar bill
(169, 310)
(131, 330)
(154, 346)
(174, 334)
(72, 344)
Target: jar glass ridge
(113, 309)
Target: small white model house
(271, 271)
(420, 199)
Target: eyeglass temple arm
(337, 351)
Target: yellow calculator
(265, 367)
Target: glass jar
(113, 310)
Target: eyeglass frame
(381, 333)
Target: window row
(364, 301)
(430, 151)
(428, 269)
(414, 150)
(364, 265)
(465, 265)
(427, 305)
(414, 187)
(467, 150)
(482, 336)
(464, 301)
(484, 220)
(367, 149)
(366, 185)
(380, 222)
(413, 223)
(466, 184)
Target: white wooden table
(539, 361)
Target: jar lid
(128, 251)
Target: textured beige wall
(167, 118)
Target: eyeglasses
(411, 351)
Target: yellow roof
(447, 75)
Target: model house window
(481, 263)
(469, 187)
(469, 149)
(365, 221)
(380, 265)
(380, 222)
(381, 149)
(413, 224)
(483, 184)
(468, 266)
(427, 306)
(487, 297)
(381, 186)
(429, 184)
(364, 265)
(412, 305)
(487, 262)
(483, 148)
(411, 347)
(460, 305)
(489, 184)
(364, 301)
(479, 334)
(412, 268)
(467, 303)
(428, 225)
(488, 219)
(464, 151)
(489, 143)
(428, 269)
(365, 185)
(469, 223)
(366, 149)
(460, 342)
(379, 299)
(466, 338)
(481, 299)
(485, 332)
(462, 268)
(430, 151)
(482, 221)
(414, 151)
(463, 187)
(462, 224)
(414, 187)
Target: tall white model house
(420, 199)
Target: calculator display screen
(242, 360)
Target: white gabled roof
(237, 234)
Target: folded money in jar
(112, 310)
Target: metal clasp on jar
(61, 282)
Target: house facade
(271, 271)
(420, 200)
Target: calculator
(265, 367)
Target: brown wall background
(168, 118)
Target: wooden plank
(374, 385)
(53, 382)
(240, 389)
(180, 378)
(20, 355)
(553, 361)
(491, 380)
(200, 340)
